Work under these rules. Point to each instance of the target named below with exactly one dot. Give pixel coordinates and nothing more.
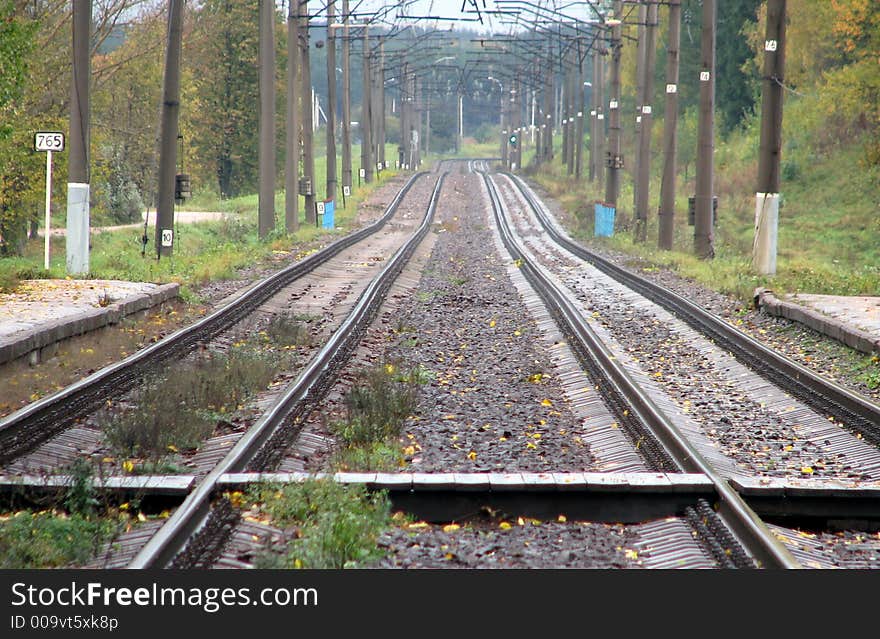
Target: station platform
(42, 313)
(853, 320)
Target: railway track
(644, 470)
(28, 428)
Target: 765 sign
(48, 141)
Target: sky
(464, 13)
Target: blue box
(604, 220)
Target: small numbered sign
(320, 206)
(704, 76)
(346, 190)
(167, 237)
(770, 45)
(378, 166)
(362, 172)
(49, 141)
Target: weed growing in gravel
(337, 526)
(383, 457)
(377, 405)
(176, 412)
(381, 398)
(286, 329)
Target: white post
(766, 231)
(48, 205)
(461, 117)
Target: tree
(17, 172)
(125, 110)
(221, 103)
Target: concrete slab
(852, 320)
(43, 312)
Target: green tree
(223, 97)
(17, 170)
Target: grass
(203, 251)
(50, 539)
(378, 403)
(67, 533)
(175, 412)
(336, 525)
(827, 229)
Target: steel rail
(852, 410)
(757, 540)
(194, 512)
(30, 426)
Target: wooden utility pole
(266, 154)
(570, 108)
(670, 127)
(564, 110)
(599, 91)
(580, 115)
(704, 233)
(291, 140)
(767, 195)
(380, 105)
(640, 94)
(346, 100)
(547, 133)
(367, 114)
(331, 102)
(595, 159)
(78, 233)
(644, 174)
(168, 133)
(307, 121)
(615, 159)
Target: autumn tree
(221, 107)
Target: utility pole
(311, 212)
(291, 141)
(547, 136)
(77, 242)
(168, 133)
(346, 100)
(331, 102)
(381, 101)
(376, 106)
(767, 195)
(670, 127)
(570, 107)
(565, 91)
(579, 128)
(417, 105)
(644, 172)
(640, 93)
(367, 114)
(404, 116)
(599, 91)
(615, 159)
(266, 206)
(704, 233)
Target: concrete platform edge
(834, 328)
(56, 331)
